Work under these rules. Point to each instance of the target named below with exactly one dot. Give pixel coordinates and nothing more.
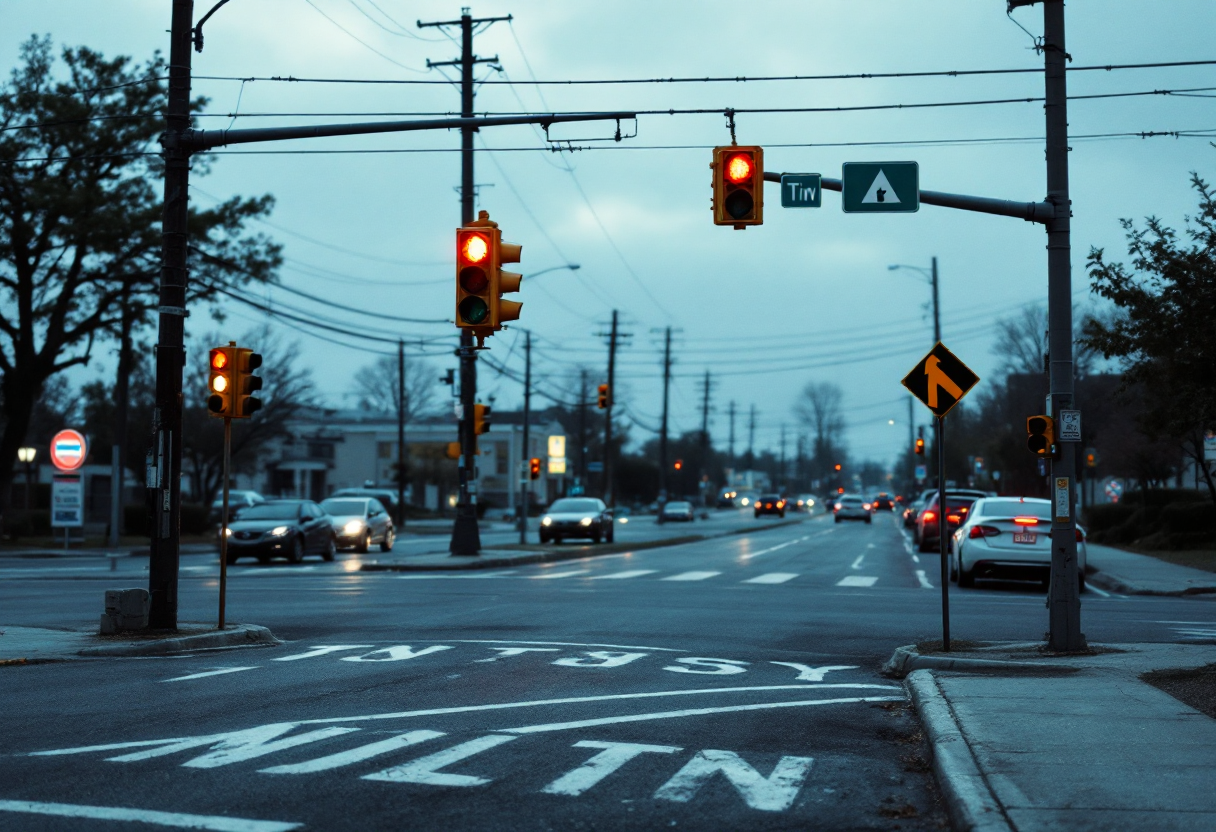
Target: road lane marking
(924, 582)
(425, 770)
(772, 578)
(355, 755)
(323, 650)
(857, 563)
(761, 706)
(397, 653)
(857, 580)
(204, 674)
(692, 576)
(181, 820)
(1101, 592)
(814, 674)
(774, 793)
(600, 658)
(708, 667)
(565, 574)
(478, 577)
(915, 559)
(613, 757)
(629, 573)
(566, 644)
(507, 652)
(751, 555)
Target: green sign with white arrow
(880, 187)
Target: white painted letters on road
(601, 658)
(806, 673)
(355, 755)
(426, 769)
(321, 651)
(507, 652)
(713, 667)
(775, 793)
(614, 755)
(396, 654)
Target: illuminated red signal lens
(219, 360)
(474, 248)
(739, 168)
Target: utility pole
(400, 433)
(937, 315)
(582, 428)
(730, 447)
(609, 468)
(705, 438)
(526, 476)
(751, 436)
(663, 424)
(466, 538)
(783, 466)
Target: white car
(851, 507)
(1008, 537)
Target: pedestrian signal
(604, 399)
(738, 182)
(534, 468)
(220, 381)
(1041, 435)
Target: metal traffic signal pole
(609, 467)
(663, 427)
(943, 523)
(525, 481)
(401, 471)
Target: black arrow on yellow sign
(940, 380)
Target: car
(806, 502)
(928, 524)
(386, 496)
(585, 517)
(287, 528)
(680, 510)
(359, 522)
(1008, 537)
(770, 504)
(239, 499)
(727, 497)
(851, 507)
(882, 502)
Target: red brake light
(953, 518)
(928, 515)
(983, 531)
(1080, 536)
(1026, 521)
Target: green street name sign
(801, 190)
(880, 187)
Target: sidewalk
(1132, 574)
(1078, 743)
(24, 645)
(103, 551)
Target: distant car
(928, 525)
(882, 502)
(727, 497)
(238, 501)
(806, 502)
(851, 507)
(386, 496)
(282, 528)
(1008, 537)
(680, 510)
(770, 504)
(359, 522)
(577, 517)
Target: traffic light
(920, 446)
(679, 464)
(604, 401)
(245, 404)
(1041, 435)
(837, 466)
(453, 450)
(481, 419)
(534, 468)
(221, 366)
(1091, 458)
(480, 280)
(738, 172)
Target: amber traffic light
(738, 180)
(221, 365)
(920, 446)
(534, 468)
(603, 400)
(1041, 435)
(481, 419)
(837, 466)
(679, 464)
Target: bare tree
(1022, 341)
(376, 387)
(820, 408)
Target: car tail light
(954, 518)
(928, 515)
(1026, 521)
(1080, 536)
(983, 531)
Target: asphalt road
(725, 684)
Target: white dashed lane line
(772, 578)
(204, 674)
(629, 573)
(857, 580)
(692, 576)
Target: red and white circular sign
(68, 450)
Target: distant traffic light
(679, 464)
(920, 446)
(1041, 435)
(1091, 458)
(245, 404)
(480, 280)
(221, 366)
(604, 400)
(481, 419)
(738, 180)
(534, 468)
(837, 466)
(453, 450)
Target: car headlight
(623, 520)
(586, 521)
(546, 521)
(279, 531)
(810, 502)
(227, 532)
(745, 501)
(353, 527)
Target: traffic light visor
(1036, 424)
(475, 248)
(739, 167)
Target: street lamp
(571, 266)
(26, 455)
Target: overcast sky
(808, 289)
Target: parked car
(1008, 537)
(359, 522)
(680, 510)
(577, 517)
(286, 528)
(386, 496)
(851, 507)
(928, 525)
(238, 500)
(770, 504)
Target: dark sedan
(770, 504)
(577, 517)
(282, 528)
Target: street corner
(30, 645)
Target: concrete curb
(554, 555)
(970, 801)
(905, 660)
(1113, 583)
(238, 635)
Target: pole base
(466, 538)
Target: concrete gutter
(907, 659)
(1113, 583)
(33, 645)
(969, 799)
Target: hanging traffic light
(1041, 435)
(603, 402)
(246, 383)
(679, 464)
(534, 468)
(920, 446)
(481, 419)
(837, 466)
(480, 280)
(221, 366)
(738, 179)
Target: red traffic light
(219, 359)
(679, 464)
(739, 167)
(474, 248)
(534, 468)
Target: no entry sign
(68, 450)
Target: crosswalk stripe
(772, 578)
(857, 580)
(692, 576)
(631, 573)
(565, 574)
